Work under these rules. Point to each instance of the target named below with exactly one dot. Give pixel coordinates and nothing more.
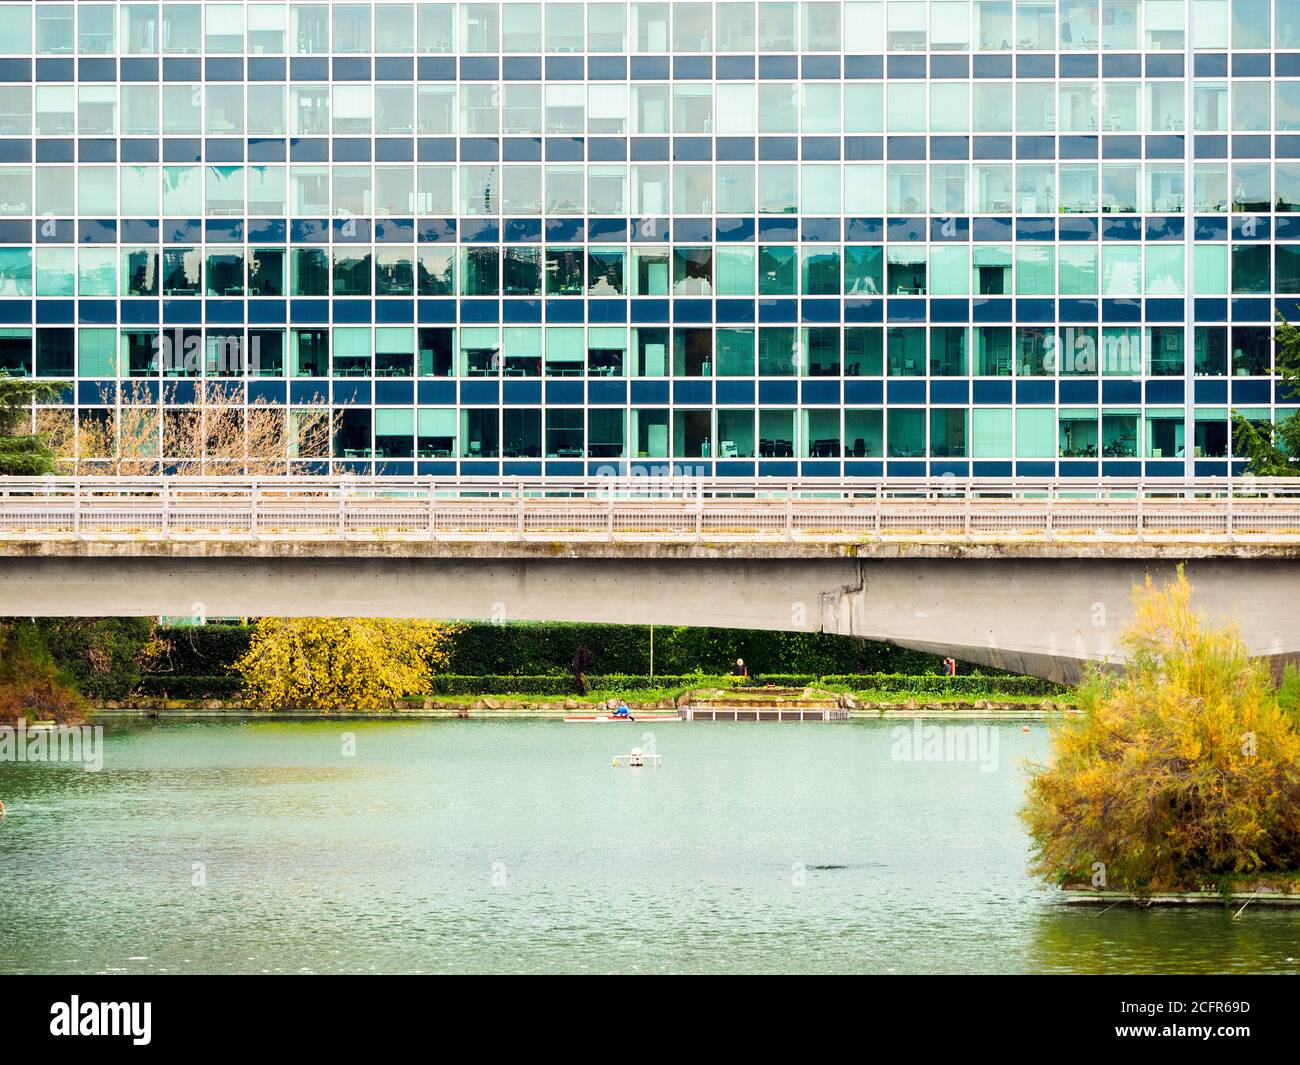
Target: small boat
(599, 719)
(638, 759)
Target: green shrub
(534, 648)
(495, 684)
(32, 686)
(179, 686)
(101, 656)
(551, 684)
(216, 686)
(1288, 692)
(528, 649)
(782, 680)
(202, 650)
(941, 684)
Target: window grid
(766, 240)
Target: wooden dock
(1089, 897)
(737, 713)
(764, 704)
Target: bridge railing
(659, 487)
(646, 508)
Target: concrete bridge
(1033, 577)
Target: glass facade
(878, 238)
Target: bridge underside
(1045, 616)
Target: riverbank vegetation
(331, 663)
(1180, 772)
(453, 691)
(50, 667)
(32, 686)
(120, 661)
(529, 657)
(516, 649)
(104, 658)
(116, 661)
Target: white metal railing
(657, 508)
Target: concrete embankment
(849, 707)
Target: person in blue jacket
(622, 710)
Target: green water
(516, 846)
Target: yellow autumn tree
(1181, 771)
(342, 663)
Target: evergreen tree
(23, 454)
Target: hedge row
(218, 686)
(188, 686)
(180, 686)
(535, 648)
(204, 650)
(540, 648)
(783, 680)
(962, 684)
(553, 684)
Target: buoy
(1024, 728)
(615, 761)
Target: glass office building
(868, 238)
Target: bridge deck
(316, 510)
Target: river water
(471, 846)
